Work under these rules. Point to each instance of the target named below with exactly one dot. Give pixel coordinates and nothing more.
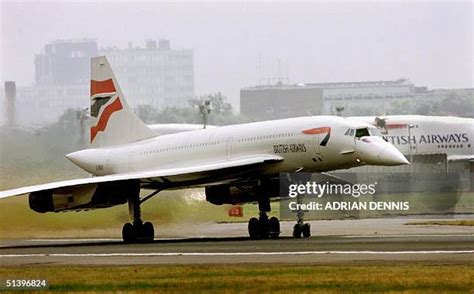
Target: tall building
(65, 62)
(155, 75)
(62, 76)
(10, 100)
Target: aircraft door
(318, 138)
(130, 161)
(229, 148)
(316, 146)
(321, 138)
(471, 172)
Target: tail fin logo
(102, 87)
(102, 92)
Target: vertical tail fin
(113, 122)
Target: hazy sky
(429, 42)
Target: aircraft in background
(235, 164)
(423, 135)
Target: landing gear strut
(301, 228)
(137, 231)
(264, 227)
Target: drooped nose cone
(376, 151)
(391, 156)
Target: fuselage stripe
(316, 131)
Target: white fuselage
(284, 138)
(165, 129)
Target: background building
(423, 94)
(65, 62)
(357, 97)
(154, 75)
(10, 97)
(279, 101)
(323, 98)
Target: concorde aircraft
(450, 135)
(235, 164)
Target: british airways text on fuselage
(453, 138)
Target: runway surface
(397, 242)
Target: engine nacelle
(87, 196)
(226, 194)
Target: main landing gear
(264, 227)
(137, 231)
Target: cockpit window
(375, 132)
(349, 132)
(362, 132)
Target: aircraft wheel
(297, 231)
(274, 227)
(306, 230)
(128, 233)
(148, 232)
(263, 227)
(254, 228)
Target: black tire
(148, 232)
(297, 231)
(263, 228)
(254, 228)
(306, 230)
(274, 227)
(128, 233)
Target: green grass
(406, 278)
(444, 223)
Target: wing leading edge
(235, 162)
(461, 157)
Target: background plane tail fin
(112, 120)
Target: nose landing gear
(301, 229)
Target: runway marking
(163, 254)
(76, 240)
(405, 235)
(184, 238)
(106, 239)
